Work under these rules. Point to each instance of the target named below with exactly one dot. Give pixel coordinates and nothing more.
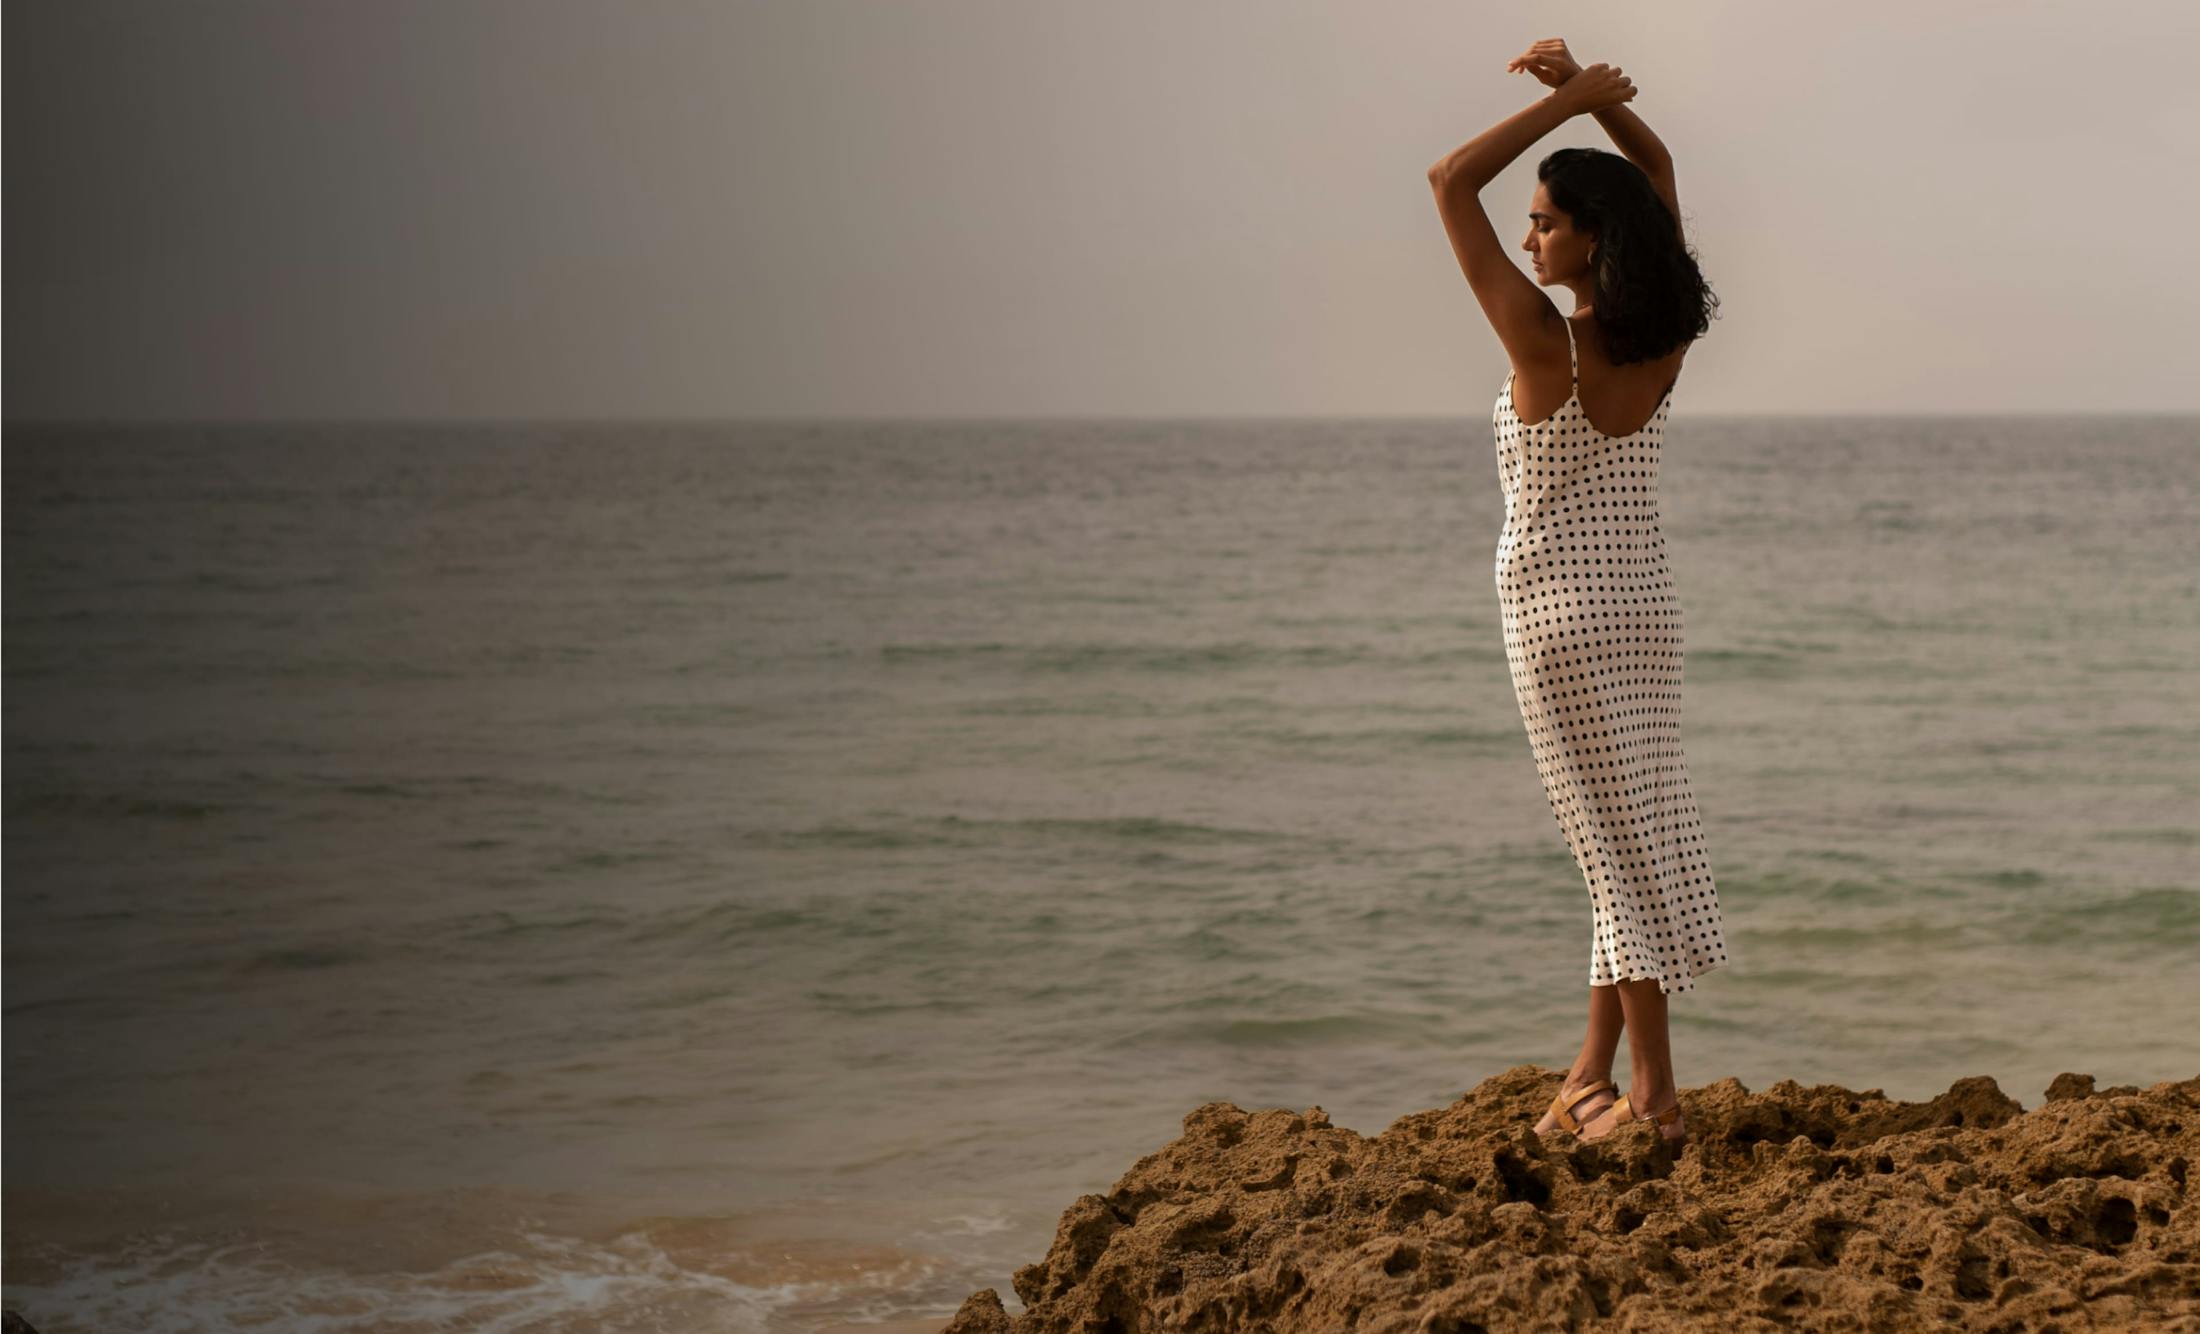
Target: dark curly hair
(1650, 296)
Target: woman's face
(1560, 254)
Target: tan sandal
(1624, 1111)
(1562, 1106)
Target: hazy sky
(629, 209)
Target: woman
(1592, 622)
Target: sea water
(755, 876)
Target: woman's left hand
(1548, 60)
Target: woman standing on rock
(1592, 621)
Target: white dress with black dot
(1593, 637)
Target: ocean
(754, 876)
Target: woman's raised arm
(1477, 162)
(1551, 63)
(1634, 139)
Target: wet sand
(1804, 1207)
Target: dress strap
(1573, 355)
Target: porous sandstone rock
(1798, 1207)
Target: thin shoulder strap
(1573, 355)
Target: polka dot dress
(1593, 637)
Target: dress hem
(1660, 978)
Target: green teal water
(873, 836)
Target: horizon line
(37, 423)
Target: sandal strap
(1624, 1111)
(1562, 1107)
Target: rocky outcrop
(1803, 1207)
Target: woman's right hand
(1594, 89)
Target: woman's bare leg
(1606, 1018)
(1650, 1083)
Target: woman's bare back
(1628, 395)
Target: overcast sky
(642, 209)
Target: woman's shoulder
(1589, 336)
